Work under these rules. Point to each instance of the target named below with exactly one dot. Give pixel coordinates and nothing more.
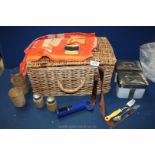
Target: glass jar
(38, 100)
(18, 81)
(51, 104)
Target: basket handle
(70, 91)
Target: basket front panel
(45, 80)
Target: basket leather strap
(102, 103)
(99, 74)
(94, 91)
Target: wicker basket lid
(104, 55)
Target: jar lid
(50, 99)
(36, 96)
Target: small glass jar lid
(50, 99)
(36, 96)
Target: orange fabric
(53, 46)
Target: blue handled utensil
(70, 109)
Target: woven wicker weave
(65, 78)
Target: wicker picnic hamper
(71, 78)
